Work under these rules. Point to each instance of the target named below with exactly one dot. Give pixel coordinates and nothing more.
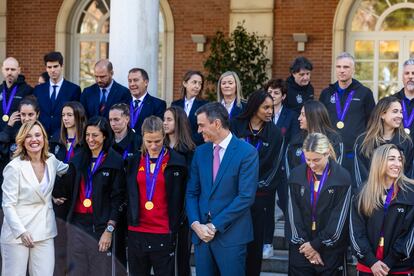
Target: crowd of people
(109, 181)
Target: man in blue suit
(142, 104)
(52, 95)
(220, 191)
(98, 98)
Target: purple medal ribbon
(314, 200)
(150, 182)
(7, 104)
(134, 114)
(407, 120)
(91, 172)
(302, 158)
(386, 205)
(125, 154)
(339, 112)
(70, 150)
(258, 145)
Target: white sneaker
(267, 251)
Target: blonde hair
(151, 124)
(374, 136)
(21, 137)
(239, 94)
(370, 197)
(318, 143)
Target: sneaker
(267, 251)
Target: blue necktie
(103, 102)
(53, 97)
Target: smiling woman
(29, 226)
(384, 127)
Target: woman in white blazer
(29, 221)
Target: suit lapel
(228, 156)
(61, 95)
(282, 118)
(31, 179)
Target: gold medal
(87, 202)
(407, 130)
(313, 225)
(381, 242)
(5, 118)
(340, 125)
(152, 167)
(149, 205)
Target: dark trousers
(84, 257)
(214, 259)
(259, 210)
(335, 264)
(146, 251)
(61, 248)
(270, 214)
(183, 250)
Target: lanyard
(69, 150)
(91, 172)
(151, 181)
(7, 103)
(314, 198)
(339, 112)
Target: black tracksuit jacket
(398, 232)
(332, 209)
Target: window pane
(385, 90)
(389, 49)
(105, 27)
(388, 72)
(87, 60)
(363, 21)
(364, 49)
(104, 50)
(411, 49)
(364, 71)
(399, 20)
(88, 25)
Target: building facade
(379, 33)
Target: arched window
(90, 27)
(380, 36)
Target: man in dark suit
(142, 104)
(221, 189)
(52, 95)
(98, 98)
(13, 89)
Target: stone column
(133, 39)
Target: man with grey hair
(406, 95)
(13, 89)
(349, 104)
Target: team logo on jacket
(400, 210)
(302, 191)
(141, 169)
(330, 191)
(176, 173)
(265, 144)
(57, 149)
(333, 99)
(299, 98)
(105, 173)
(13, 147)
(298, 152)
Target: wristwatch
(110, 228)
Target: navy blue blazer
(288, 123)
(51, 117)
(151, 106)
(226, 202)
(237, 110)
(91, 98)
(197, 138)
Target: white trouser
(41, 259)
